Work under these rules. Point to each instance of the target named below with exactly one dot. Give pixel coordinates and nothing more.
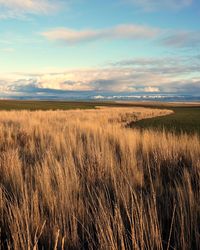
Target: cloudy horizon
(51, 49)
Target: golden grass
(80, 180)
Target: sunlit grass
(82, 180)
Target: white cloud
(147, 75)
(127, 31)
(112, 79)
(151, 89)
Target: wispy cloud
(19, 8)
(152, 5)
(182, 39)
(126, 31)
(163, 37)
(183, 65)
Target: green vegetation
(43, 105)
(186, 117)
(56, 105)
(184, 120)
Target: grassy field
(43, 105)
(80, 179)
(183, 120)
(186, 117)
(56, 105)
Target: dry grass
(80, 180)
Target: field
(56, 105)
(43, 105)
(185, 117)
(83, 179)
(183, 120)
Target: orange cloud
(126, 31)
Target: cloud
(151, 89)
(188, 86)
(182, 39)
(139, 75)
(167, 66)
(19, 8)
(127, 31)
(152, 5)
(165, 37)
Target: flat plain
(86, 179)
(184, 119)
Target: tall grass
(81, 180)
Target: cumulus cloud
(151, 5)
(139, 75)
(127, 31)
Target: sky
(54, 47)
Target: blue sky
(127, 46)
